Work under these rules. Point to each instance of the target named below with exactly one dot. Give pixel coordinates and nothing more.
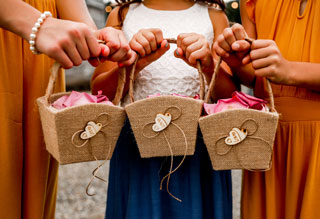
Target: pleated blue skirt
(134, 185)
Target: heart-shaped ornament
(91, 130)
(236, 136)
(161, 122)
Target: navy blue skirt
(134, 185)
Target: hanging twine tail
(171, 162)
(95, 172)
(92, 178)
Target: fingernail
(177, 53)
(167, 44)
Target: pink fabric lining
(80, 98)
(237, 101)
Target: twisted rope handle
(54, 75)
(173, 41)
(213, 80)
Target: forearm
(18, 17)
(225, 85)
(107, 81)
(245, 74)
(304, 74)
(75, 10)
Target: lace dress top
(168, 74)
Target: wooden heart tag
(91, 130)
(236, 136)
(161, 122)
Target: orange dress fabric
(28, 174)
(291, 189)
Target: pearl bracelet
(35, 29)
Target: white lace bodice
(168, 74)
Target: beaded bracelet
(35, 29)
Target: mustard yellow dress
(28, 174)
(291, 189)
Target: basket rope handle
(173, 41)
(54, 75)
(213, 80)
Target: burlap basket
(179, 135)
(80, 133)
(251, 152)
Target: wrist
(24, 28)
(34, 30)
(292, 78)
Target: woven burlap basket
(71, 134)
(251, 152)
(179, 136)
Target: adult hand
(267, 61)
(232, 46)
(116, 49)
(150, 45)
(67, 42)
(192, 47)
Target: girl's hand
(150, 45)
(232, 47)
(192, 47)
(117, 48)
(267, 61)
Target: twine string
(81, 130)
(170, 148)
(92, 178)
(171, 162)
(249, 135)
(95, 172)
(99, 165)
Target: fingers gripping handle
(54, 75)
(213, 81)
(132, 74)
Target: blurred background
(72, 200)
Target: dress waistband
(297, 109)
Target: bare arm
(18, 17)
(105, 77)
(75, 10)
(225, 84)
(65, 41)
(69, 40)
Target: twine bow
(169, 146)
(89, 132)
(247, 135)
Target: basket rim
(41, 100)
(163, 97)
(276, 114)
